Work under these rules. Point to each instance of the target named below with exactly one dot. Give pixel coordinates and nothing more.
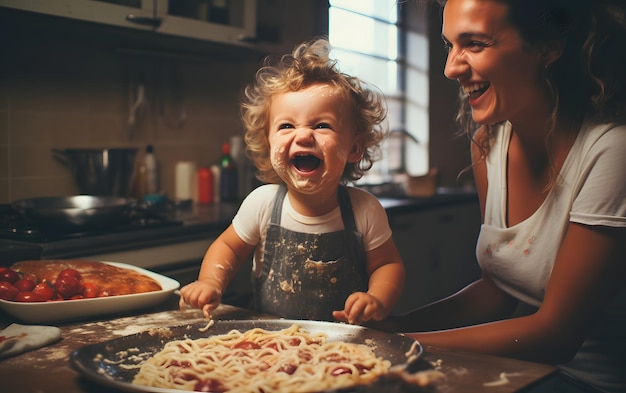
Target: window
(370, 41)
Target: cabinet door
(125, 13)
(438, 249)
(413, 235)
(226, 21)
(455, 235)
(232, 22)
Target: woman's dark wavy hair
(310, 64)
(589, 77)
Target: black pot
(102, 172)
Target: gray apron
(307, 275)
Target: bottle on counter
(245, 171)
(215, 170)
(186, 180)
(151, 171)
(228, 176)
(205, 185)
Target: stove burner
(15, 226)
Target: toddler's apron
(308, 276)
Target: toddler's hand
(205, 295)
(360, 307)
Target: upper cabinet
(225, 21)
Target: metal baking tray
(103, 363)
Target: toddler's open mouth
(306, 162)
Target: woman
(542, 81)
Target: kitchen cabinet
(437, 245)
(223, 21)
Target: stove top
(17, 227)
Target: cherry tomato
(68, 287)
(10, 275)
(8, 291)
(340, 370)
(56, 298)
(45, 290)
(90, 290)
(70, 273)
(24, 284)
(31, 276)
(247, 345)
(28, 296)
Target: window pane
(381, 73)
(382, 9)
(372, 37)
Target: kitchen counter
(196, 222)
(48, 370)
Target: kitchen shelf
(157, 16)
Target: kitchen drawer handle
(144, 20)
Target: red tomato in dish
(31, 276)
(24, 284)
(68, 286)
(45, 290)
(28, 296)
(8, 274)
(8, 291)
(73, 273)
(90, 290)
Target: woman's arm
(589, 269)
(587, 273)
(479, 302)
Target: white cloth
(592, 191)
(17, 338)
(254, 214)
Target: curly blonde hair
(310, 64)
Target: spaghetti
(290, 360)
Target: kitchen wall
(66, 84)
(62, 95)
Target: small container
(229, 179)
(216, 170)
(185, 181)
(152, 171)
(205, 185)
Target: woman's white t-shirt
(591, 190)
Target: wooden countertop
(47, 370)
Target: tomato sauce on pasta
(289, 360)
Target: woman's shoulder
(609, 135)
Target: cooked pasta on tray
(246, 356)
(259, 360)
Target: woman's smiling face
(487, 56)
(311, 137)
